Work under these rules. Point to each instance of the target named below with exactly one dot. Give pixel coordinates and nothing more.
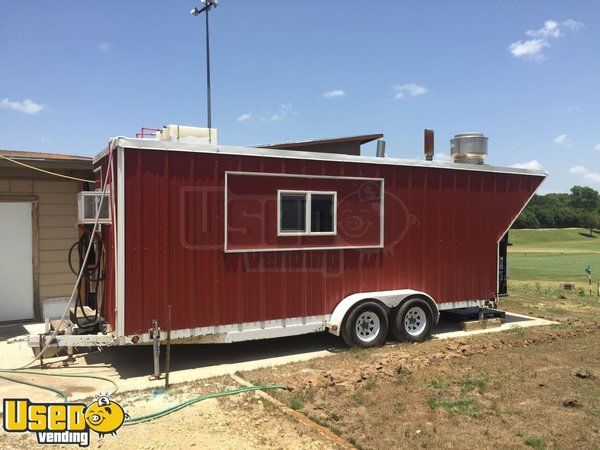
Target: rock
(402, 369)
(583, 374)
(572, 403)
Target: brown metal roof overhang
(361, 139)
(47, 160)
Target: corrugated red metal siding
(441, 230)
(252, 212)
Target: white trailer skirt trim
(464, 304)
(248, 331)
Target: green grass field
(553, 255)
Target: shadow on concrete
(450, 320)
(134, 361)
(12, 330)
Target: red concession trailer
(248, 243)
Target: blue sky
(526, 73)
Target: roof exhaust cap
(381, 148)
(469, 148)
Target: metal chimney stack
(428, 144)
(381, 148)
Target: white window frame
(307, 215)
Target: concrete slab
(130, 366)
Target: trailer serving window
(306, 213)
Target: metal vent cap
(469, 148)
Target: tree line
(579, 208)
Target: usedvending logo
(64, 423)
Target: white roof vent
(192, 135)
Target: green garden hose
(174, 408)
(47, 388)
(136, 420)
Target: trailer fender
(388, 299)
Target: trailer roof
(152, 144)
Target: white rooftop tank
(182, 133)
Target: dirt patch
(513, 389)
(243, 421)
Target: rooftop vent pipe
(380, 148)
(428, 144)
(469, 148)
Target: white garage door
(16, 263)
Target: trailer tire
(412, 321)
(366, 325)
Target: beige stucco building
(38, 225)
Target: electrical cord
(60, 175)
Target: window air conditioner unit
(88, 203)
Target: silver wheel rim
(415, 321)
(367, 327)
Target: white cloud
(597, 147)
(533, 48)
(334, 93)
(243, 117)
(594, 177)
(104, 47)
(531, 165)
(551, 28)
(284, 110)
(26, 106)
(563, 140)
(410, 89)
(572, 24)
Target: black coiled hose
(94, 272)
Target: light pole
(208, 5)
